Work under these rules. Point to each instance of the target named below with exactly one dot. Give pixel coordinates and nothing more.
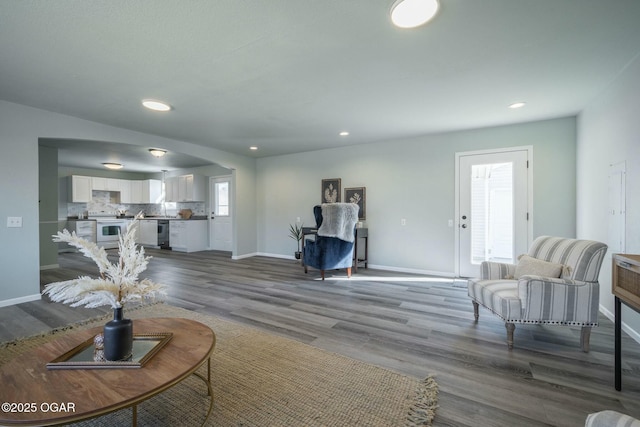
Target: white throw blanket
(339, 220)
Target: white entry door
(220, 219)
(492, 206)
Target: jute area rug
(261, 379)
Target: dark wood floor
(412, 324)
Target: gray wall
(414, 179)
(48, 205)
(20, 129)
(609, 133)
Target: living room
(410, 177)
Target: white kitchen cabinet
(131, 191)
(105, 184)
(188, 235)
(147, 232)
(185, 188)
(83, 228)
(171, 189)
(152, 191)
(126, 195)
(80, 189)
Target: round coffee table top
(40, 396)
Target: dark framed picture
(357, 195)
(331, 190)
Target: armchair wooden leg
(322, 274)
(510, 328)
(305, 269)
(349, 272)
(585, 334)
(476, 314)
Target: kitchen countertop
(193, 218)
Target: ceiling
(288, 75)
(135, 158)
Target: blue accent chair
(327, 253)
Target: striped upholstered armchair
(555, 283)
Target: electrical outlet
(298, 219)
(14, 221)
(403, 221)
(450, 223)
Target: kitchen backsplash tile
(108, 202)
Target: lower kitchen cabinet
(148, 232)
(188, 235)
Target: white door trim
(530, 209)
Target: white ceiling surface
(289, 75)
(134, 158)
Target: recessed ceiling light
(517, 105)
(413, 13)
(156, 105)
(253, 147)
(344, 133)
(157, 152)
(110, 165)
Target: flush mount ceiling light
(344, 133)
(413, 13)
(517, 105)
(109, 165)
(157, 152)
(154, 105)
(253, 148)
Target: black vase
(118, 337)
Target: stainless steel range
(108, 228)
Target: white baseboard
(413, 270)
(280, 256)
(236, 257)
(14, 301)
(376, 267)
(626, 328)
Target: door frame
(530, 207)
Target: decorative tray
(145, 346)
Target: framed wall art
(331, 190)
(357, 195)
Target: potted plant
(295, 232)
(116, 285)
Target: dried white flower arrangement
(117, 284)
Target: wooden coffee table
(49, 397)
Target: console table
(361, 234)
(625, 286)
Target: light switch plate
(14, 221)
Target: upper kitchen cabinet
(185, 188)
(105, 184)
(80, 189)
(131, 191)
(142, 191)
